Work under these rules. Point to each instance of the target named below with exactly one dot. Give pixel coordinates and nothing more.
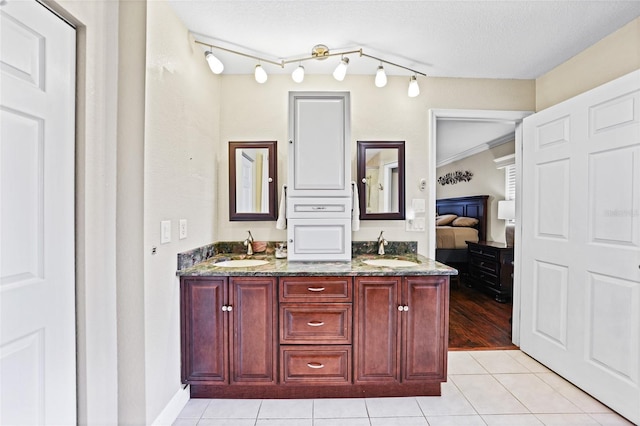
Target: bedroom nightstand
(491, 268)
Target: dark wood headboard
(472, 206)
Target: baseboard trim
(173, 408)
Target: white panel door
(580, 265)
(37, 282)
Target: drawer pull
(315, 365)
(316, 289)
(318, 208)
(315, 323)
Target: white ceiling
(514, 39)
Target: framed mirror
(252, 181)
(381, 178)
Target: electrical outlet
(183, 229)
(165, 232)
(419, 205)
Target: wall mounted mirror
(252, 181)
(381, 179)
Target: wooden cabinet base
(337, 391)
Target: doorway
(477, 321)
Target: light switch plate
(165, 232)
(183, 229)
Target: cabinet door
(319, 144)
(377, 330)
(319, 239)
(253, 329)
(204, 330)
(425, 328)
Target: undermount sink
(241, 263)
(392, 263)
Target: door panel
(37, 275)
(580, 268)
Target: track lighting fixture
(260, 74)
(341, 69)
(319, 52)
(298, 74)
(381, 77)
(414, 89)
(214, 63)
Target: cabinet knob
(291, 240)
(290, 141)
(405, 308)
(364, 180)
(229, 308)
(270, 180)
(400, 308)
(224, 308)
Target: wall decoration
(452, 178)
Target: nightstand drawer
(315, 323)
(491, 267)
(486, 278)
(315, 365)
(484, 252)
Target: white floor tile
(611, 419)
(497, 362)
(393, 407)
(232, 409)
(286, 409)
(284, 422)
(566, 419)
(487, 395)
(227, 422)
(535, 394)
(455, 420)
(342, 422)
(194, 408)
(581, 399)
(451, 402)
(399, 421)
(339, 408)
(531, 364)
(461, 362)
(511, 420)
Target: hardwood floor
(477, 321)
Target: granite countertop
(282, 267)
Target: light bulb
(214, 63)
(341, 69)
(298, 74)
(260, 74)
(381, 77)
(414, 89)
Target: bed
(451, 247)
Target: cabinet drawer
(309, 323)
(482, 264)
(484, 277)
(483, 252)
(315, 365)
(316, 289)
(310, 208)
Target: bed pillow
(465, 221)
(445, 219)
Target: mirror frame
(271, 147)
(362, 172)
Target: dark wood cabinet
(401, 329)
(491, 268)
(229, 330)
(314, 336)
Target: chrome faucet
(381, 243)
(249, 244)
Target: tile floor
(484, 388)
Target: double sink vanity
(336, 317)
(261, 327)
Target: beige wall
(250, 111)
(612, 57)
(180, 140)
(487, 180)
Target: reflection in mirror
(252, 181)
(381, 180)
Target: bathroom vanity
(315, 329)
